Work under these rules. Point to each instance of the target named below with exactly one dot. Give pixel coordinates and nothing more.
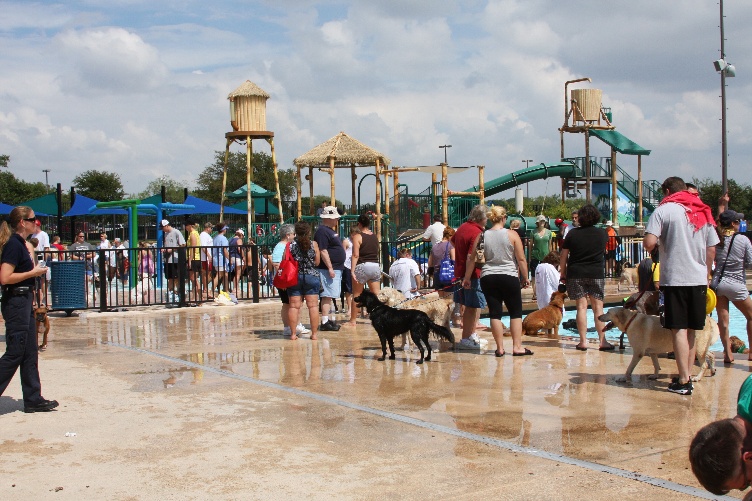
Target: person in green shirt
(721, 452)
(541, 243)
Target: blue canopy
(5, 208)
(204, 207)
(82, 205)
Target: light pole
(46, 178)
(527, 185)
(445, 151)
(726, 70)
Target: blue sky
(140, 88)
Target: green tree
(14, 191)
(174, 190)
(209, 185)
(99, 185)
(740, 195)
(4, 159)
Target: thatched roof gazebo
(340, 152)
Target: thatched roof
(248, 88)
(345, 150)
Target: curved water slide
(533, 173)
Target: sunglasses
(30, 219)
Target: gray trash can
(68, 288)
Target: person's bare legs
(286, 315)
(582, 321)
(746, 308)
(682, 350)
(374, 287)
(313, 312)
(497, 331)
(515, 326)
(294, 313)
(469, 319)
(597, 307)
(357, 288)
(326, 305)
(722, 308)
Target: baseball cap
(558, 221)
(164, 223)
(540, 218)
(729, 216)
(240, 230)
(38, 222)
(330, 212)
(609, 223)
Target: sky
(140, 88)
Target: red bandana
(698, 214)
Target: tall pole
(527, 185)
(46, 178)
(445, 146)
(724, 149)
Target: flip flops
(607, 348)
(499, 353)
(524, 353)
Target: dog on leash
(628, 275)
(390, 322)
(548, 317)
(648, 337)
(42, 321)
(438, 309)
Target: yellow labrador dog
(648, 337)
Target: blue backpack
(446, 267)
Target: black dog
(390, 322)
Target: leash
(629, 322)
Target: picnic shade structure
(202, 206)
(341, 152)
(46, 205)
(5, 208)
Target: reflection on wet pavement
(560, 400)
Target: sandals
(607, 348)
(524, 353)
(499, 354)
(580, 348)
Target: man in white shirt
(435, 232)
(41, 236)
(405, 274)
(206, 241)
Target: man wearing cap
(220, 257)
(684, 226)
(206, 240)
(435, 232)
(193, 257)
(41, 236)
(172, 239)
(331, 265)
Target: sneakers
(468, 344)
(286, 332)
(477, 340)
(300, 329)
(329, 326)
(681, 389)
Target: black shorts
(346, 281)
(283, 296)
(195, 266)
(500, 289)
(685, 306)
(171, 270)
(533, 265)
(611, 254)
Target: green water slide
(533, 173)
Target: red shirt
(463, 243)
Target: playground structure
(248, 121)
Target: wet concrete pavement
(213, 402)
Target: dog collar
(629, 322)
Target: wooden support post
(481, 184)
(300, 195)
(224, 181)
(353, 178)
(587, 165)
(248, 180)
(311, 210)
(386, 192)
(395, 178)
(433, 196)
(331, 178)
(276, 180)
(378, 200)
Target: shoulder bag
(287, 273)
(717, 277)
(480, 252)
(446, 267)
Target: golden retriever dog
(439, 310)
(548, 317)
(648, 337)
(628, 275)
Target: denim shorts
(308, 285)
(472, 297)
(332, 286)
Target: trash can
(68, 287)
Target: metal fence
(135, 277)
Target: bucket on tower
(248, 107)
(588, 104)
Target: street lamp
(726, 70)
(445, 152)
(527, 185)
(46, 178)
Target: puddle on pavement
(558, 400)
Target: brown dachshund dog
(40, 315)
